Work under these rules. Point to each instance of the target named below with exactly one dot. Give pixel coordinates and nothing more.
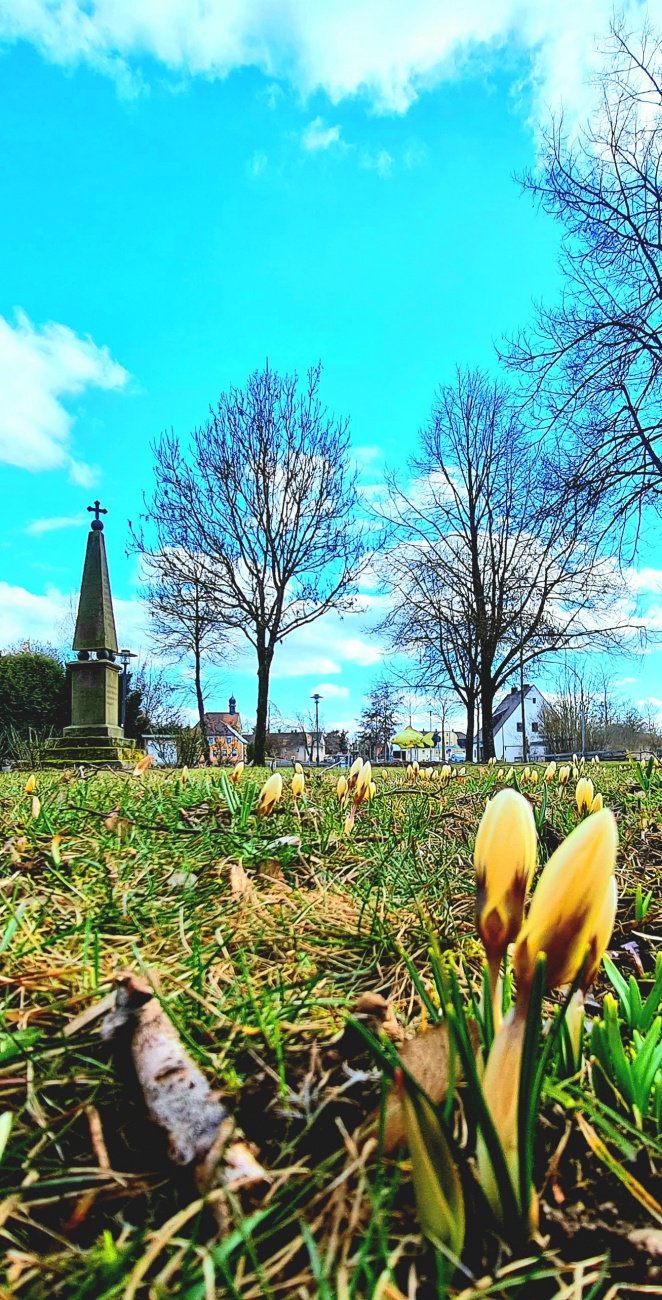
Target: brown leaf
(143, 765)
(427, 1057)
(373, 1005)
(239, 882)
(241, 1165)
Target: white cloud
(40, 366)
(330, 691)
(40, 526)
(256, 164)
(27, 616)
(380, 162)
(646, 580)
(318, 136)
(384, 50)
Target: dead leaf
(648, 1239)
(427, 1057)
(36, 806)
(241, 1165)
(177, 1095)
(143, 765)
(239, 882)
(373, 1005)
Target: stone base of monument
(90, 746)
(93, 738)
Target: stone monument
(94, 735)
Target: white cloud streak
(383, 50)
(317, 136)
(40, 367)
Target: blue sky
(176, 209)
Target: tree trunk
(201, 703)
(487, 702)
(471, 714)
(264, 658)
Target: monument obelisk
(94, 735)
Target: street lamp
(317, 699)
(125, 658)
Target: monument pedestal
(94, 735)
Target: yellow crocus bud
(584, 792)
(410, 771)
(372, 790)
(509, 774)
(298, 768)
(364, 780)
(236, 773)
(550, 772)
(564, 774)
(504, 861)
(384, 776)
(526, 773)
(353, 773)
(270, 794)
(573, 908)
(597, 803)
(31, 784)
(534, 778)
(342, 788)
(445, 771)
(298, 784)
(415, 767)
(500, 774)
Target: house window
(519, 726)
(534, 726)
(533, 700)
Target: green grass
(117, 871)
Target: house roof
(216, 722)
(506, 708)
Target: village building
(226, 742)
(508, 729)
(293, 746)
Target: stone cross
(98, 510)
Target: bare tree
(185, 620)
(593, 360)
(266, 494)
(485, 558)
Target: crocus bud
(550, 772)
(30, 784)
(573, 907)
(504, 861)
(363, 783)
(236, 773)
(298, 767)
(445, 772)
(415, 767)
(298, 784)
(534, 777)
(342, 788)
(584, 795)
(270, 794)
(353, 773)
(564, 774)
(597, 804)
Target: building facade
(508, 729)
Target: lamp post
(125, 658)
(317, 699)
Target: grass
(114, 870)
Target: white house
(507, 720)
